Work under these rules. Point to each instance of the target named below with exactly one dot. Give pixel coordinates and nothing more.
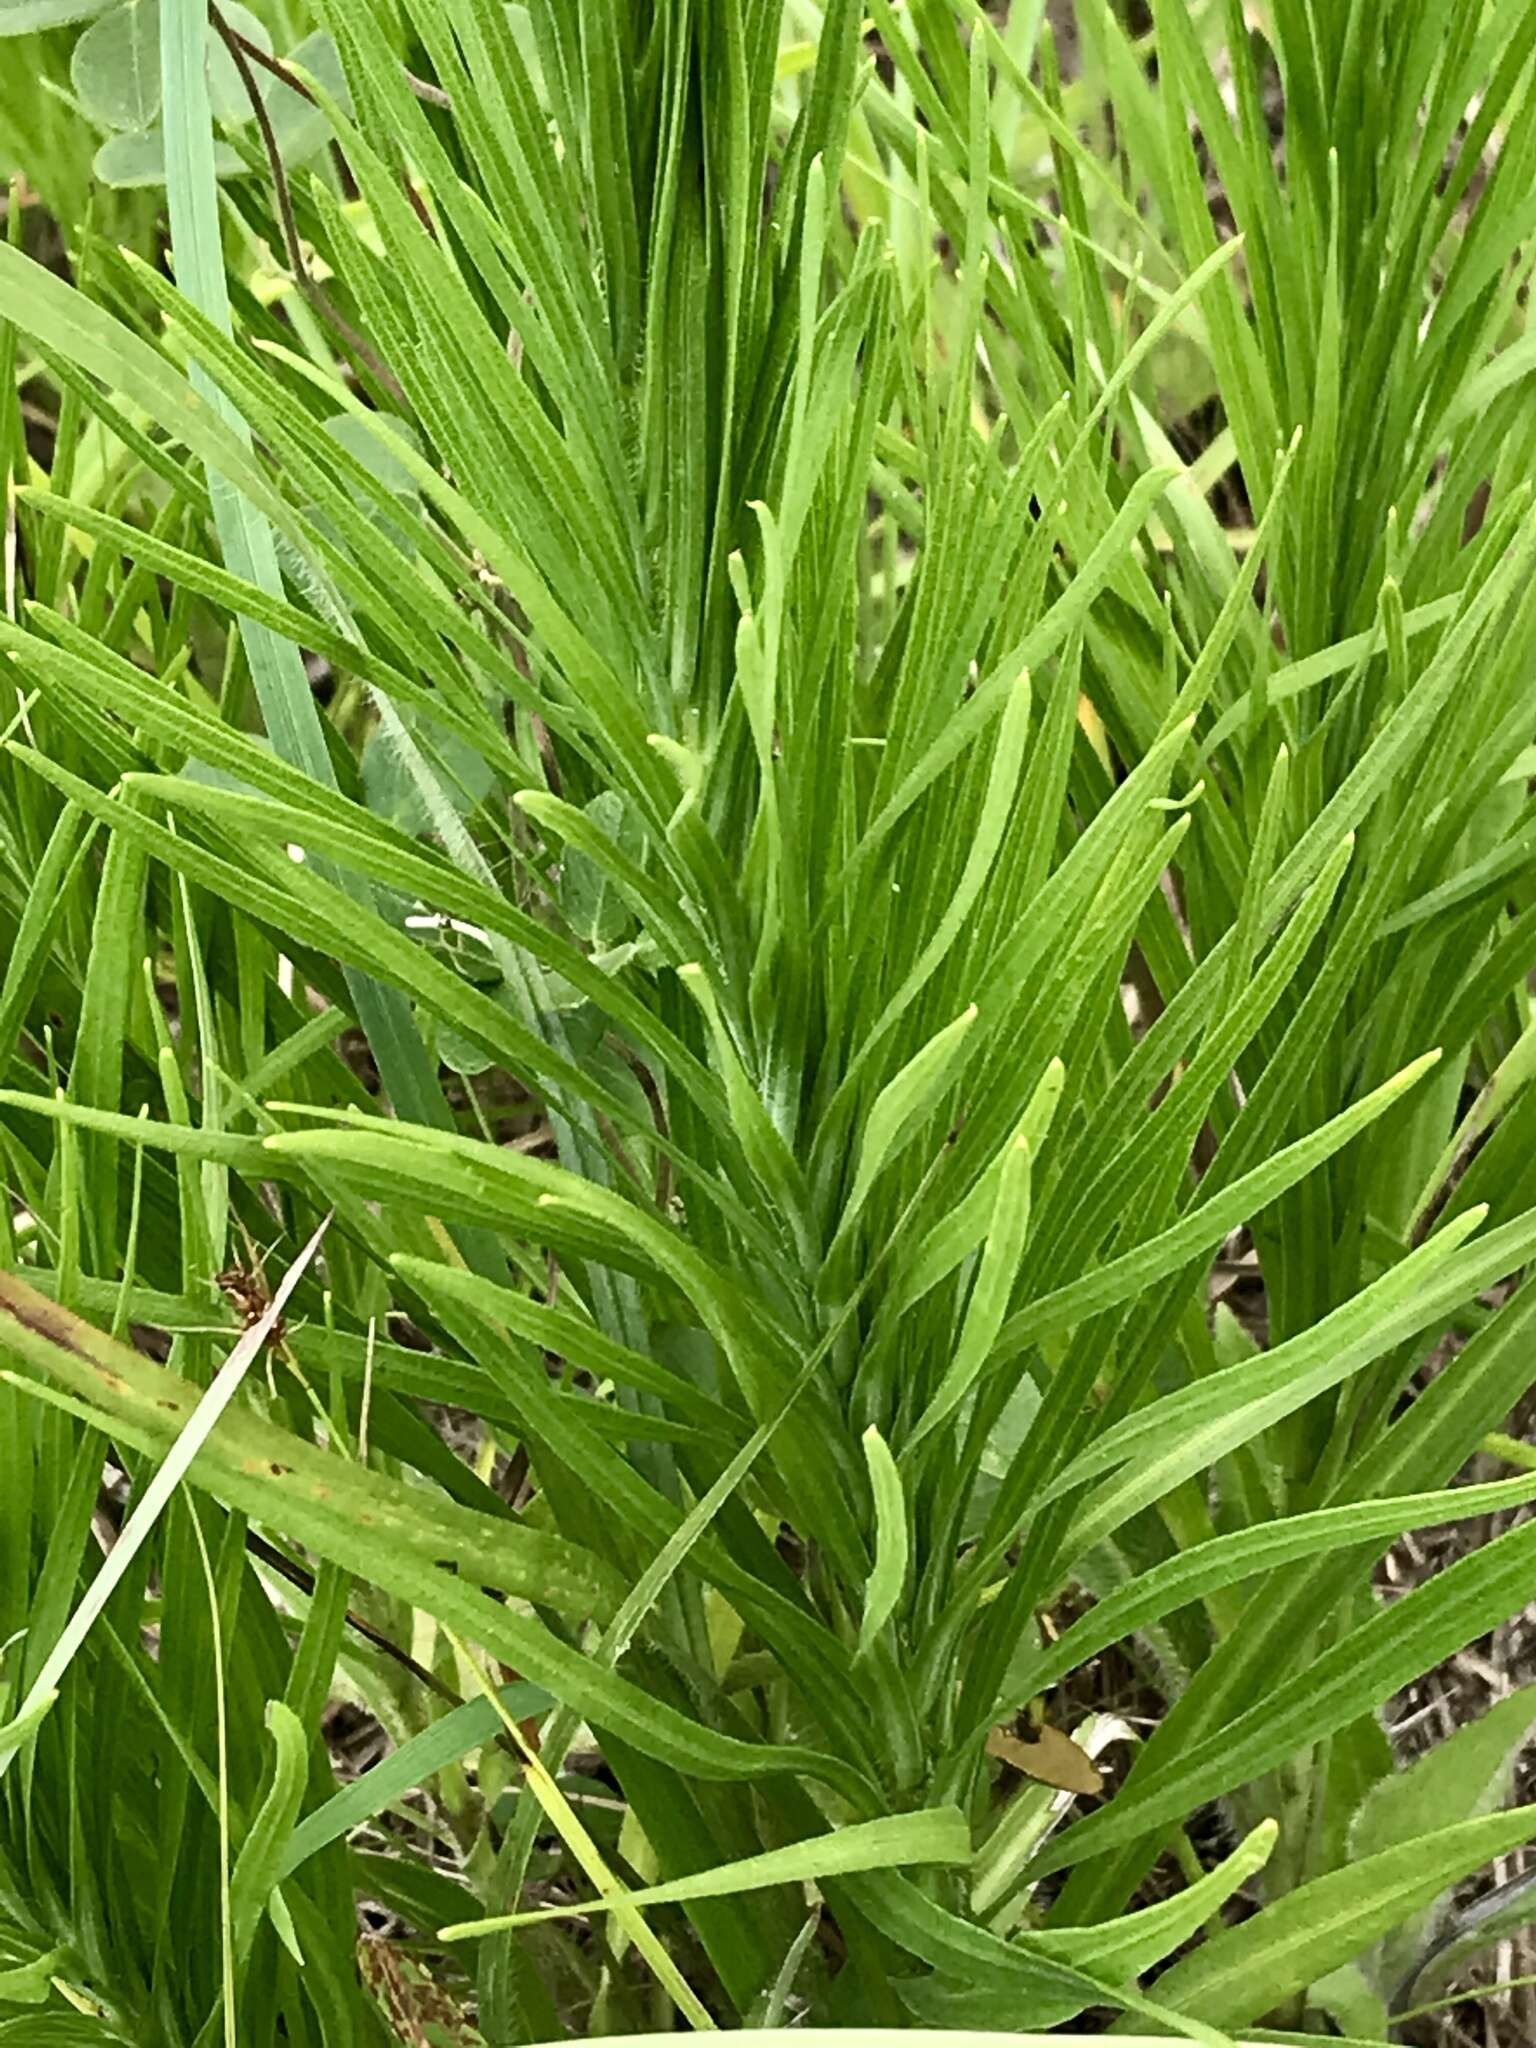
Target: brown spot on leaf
(43, 1317)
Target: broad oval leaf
(115, 69)
(28, 17)
(135, 160)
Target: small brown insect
(246, 1287)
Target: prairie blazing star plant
(768, 901)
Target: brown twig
(255, 54)
(423, 88)
(240, 48)
(297, 1575)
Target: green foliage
(793, 732)
(104, 81)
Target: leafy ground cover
(767, 881)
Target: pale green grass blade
(938, 1836)
(190, 1438)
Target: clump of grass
(673, 734)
